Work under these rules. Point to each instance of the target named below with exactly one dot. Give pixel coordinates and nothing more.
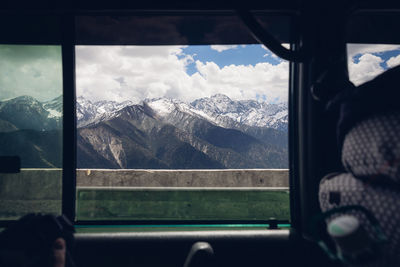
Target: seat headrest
(371, 148)
(355, 104)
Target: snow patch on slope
(218, 109)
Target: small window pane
(31, 128)
(366, 61)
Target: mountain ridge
(161, 133)
(219, 109)
(187, 131)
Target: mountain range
(208, 133)
(32, 130)
(218, 109)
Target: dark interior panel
(231, 248)
(373, 27)
(184, 29)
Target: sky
(134, 73)
(180, 72)
(30, 70)
(366, 61)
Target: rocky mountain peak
(26, 112)
(54, 106)
(218, 109)
(213, 132)
(22, 103)
(220, 98)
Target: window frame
(267, 223)
(68, 201)
(69, 193)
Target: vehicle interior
(317, 33)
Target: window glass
(31, 128)
(366, 61)
(181, 133)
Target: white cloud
(369, 64)
(357, 49)
(105, 72)
(221, 48)
(393, 61)
(147, 71)
(30, 70)
(245, 82)
(367, 68)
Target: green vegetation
(182, 204)
(167, 228)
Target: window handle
(200, 255)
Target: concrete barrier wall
(46, 183)
(31, 184)
(31, 190)
(183, 178)
(39, 190)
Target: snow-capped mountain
(213, 132)
(85, 111)
(227, 112)
(164, 107)
(26, 112)
(89, 112)
(222, 111)
(218, 109)
(54, 107)
(168, 133)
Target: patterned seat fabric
(368, 134)
(371, 155)
(371, 150)
(382, 201)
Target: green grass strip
(174, 227)
(182, 205)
